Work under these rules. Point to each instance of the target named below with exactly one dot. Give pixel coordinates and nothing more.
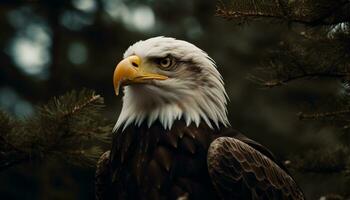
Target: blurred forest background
(286, 77)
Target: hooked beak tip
(129, 71)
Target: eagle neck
(147, 105)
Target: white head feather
(194, 90)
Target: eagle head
(167, 79)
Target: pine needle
(69, 127)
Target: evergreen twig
(306, 12)
(68, 127)
(314, 44)
(280, 82)
(323, 161)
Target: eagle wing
(239, 171)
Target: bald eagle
(173, 139)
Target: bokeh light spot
(77, 53)
(136, 18)
(85, 5)
(12, 103)
(194, 29)
(143, 18)
(114, 8)
(75, 21)
(29, 55)
(29, 47)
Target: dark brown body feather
(153, 163)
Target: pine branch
(306, 12)
(325, 115)
(296, 58)
(324, 161)
(333, 197)
(69, 127)
(9, 154)
(341, 118)
(279, 82)
(313, 43)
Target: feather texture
(239, 171)
(194, 92)
(172, 139)
(158, 163)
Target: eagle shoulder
(239, 171)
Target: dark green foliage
(69, 127)
(315, 44)
(311, 12)
(305, 54)
(335, 160)
(9, 153)
(6, 124)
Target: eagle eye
(166, 62)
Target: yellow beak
(130, 71)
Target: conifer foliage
(314, 46)
(69, 127)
